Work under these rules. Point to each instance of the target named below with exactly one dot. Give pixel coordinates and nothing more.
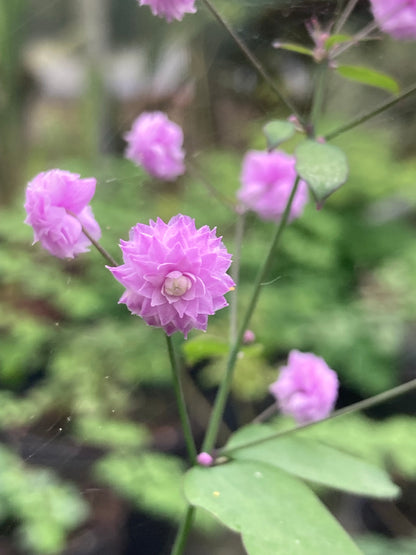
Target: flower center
(176, 284)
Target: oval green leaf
(274, 512)
(278, 131)
(336, 39)
(293, 47)
(313, 461)
(370, 77)
(324, 167)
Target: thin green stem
(99, 248)
(345, 15)
(363, 34)
(235, 274)
(371, 114)
(319, 94)
(195, 171)
(180, 399)
(355, 407)
(183, 531)
(224, 389)
(266, 414)
(253, 60)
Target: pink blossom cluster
(306, 388)
(57, 207)
(396, 17)
(155, 143)
(267, 180)
(170, 9)
(174, 274)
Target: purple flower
(57, 206)
(306, 388)
(174, 274)
(267, 180)
(170, 9)
(155, 143)
(396, 17)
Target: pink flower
(396, 17)
(205, 459)
(306, 388)
(267, 180)
(174, 274)
(155, 143)
(249, 337)
(170, 9)
(57, 206)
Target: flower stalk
(371, 114)
(222, 395)
(355, 407)
(253, 60)
(180, 401)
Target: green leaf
(336, 39)
(313, 461)
(274, 512)
(278, 131)
(117, 434)
(203, 347)
(368, 76)
(292, 47)
(324, 167)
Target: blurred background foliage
(91, 440)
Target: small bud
(248, 337)
(205, 459)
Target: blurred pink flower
(57, 206)
(306, 388)
(155, 143)
(174, 274)
(249, 337)
(170, 9)
(205, 459)
(396, 17)
(267, 180)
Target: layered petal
(306, 388)
(57, 207)
(155, 143)
(267, 179)
(174, 274)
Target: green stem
(224, 389)
(235, 273)
(355, 407)
(180, 399)
(344, 16)
(253, 60)
(183, 532)
(372, 113)
(319, 94)
(193, 170)
(99, 248)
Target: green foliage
(45, 508)
(273, 511)
(278, 131)
(114, 434)
(151, 481)
(324, 167)
(368, 76)
(389, 442)
(372, 544)
(292, 47)
(311, 461)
